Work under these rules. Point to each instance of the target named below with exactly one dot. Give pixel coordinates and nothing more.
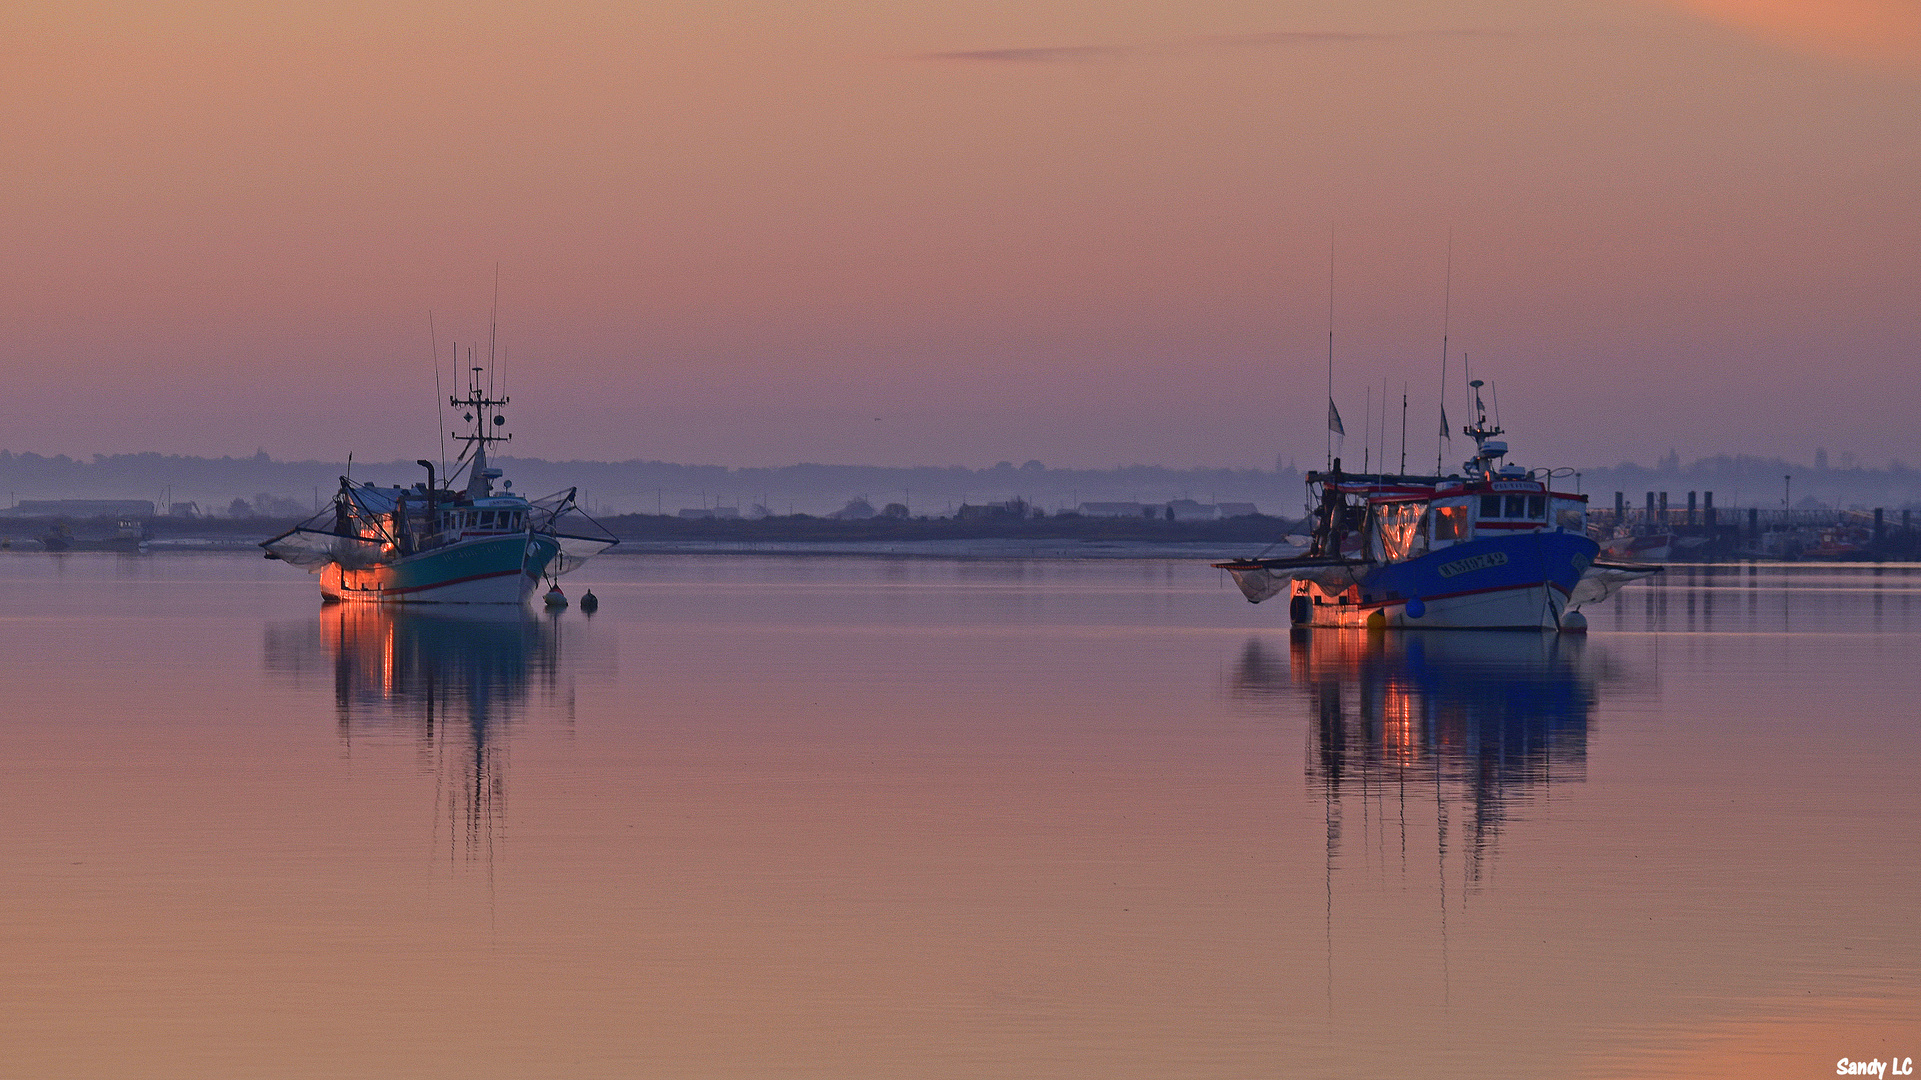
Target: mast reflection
(453, 683)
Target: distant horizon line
(1666, 463)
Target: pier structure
(1702, 534)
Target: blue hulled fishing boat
(1494, 547)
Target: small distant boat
(435, 544)
(1650, 547)
(130, 537)
(1492, 548)
(1839, 543)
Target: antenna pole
(493, 331)
(440, 403)
(1447, 310)
(1330, 345)
(1367, 428)
(1404, 429)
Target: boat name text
(1478, 562)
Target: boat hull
(496, 570)
(1505, 583)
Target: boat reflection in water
(452, 683)
(1473, 725)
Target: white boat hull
(1522, 607)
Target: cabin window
(1398, 527)
(487, 519)
(1517, 506)
(1490, 506)
(1450, 522)
(1537, 506)
(1570, 520)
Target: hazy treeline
(643, 486)
(657, 486)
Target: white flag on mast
(1334, 419)
(1445, 434)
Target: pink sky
(1085, 232)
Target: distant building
(698, 513)
(1235, 509)
(80, 508)
(1189, 510)
(1117, 509)
(1012, 508)
(726, 513)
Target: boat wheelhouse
(1494, 547)
(433, 543)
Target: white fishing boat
(1493, 547)
(432, 543)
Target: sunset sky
(1085, 232)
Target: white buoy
(1573, 622)
(556, 598)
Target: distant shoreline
(796, 534)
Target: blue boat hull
(1508, 582)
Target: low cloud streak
(1266, 39)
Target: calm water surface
(792, 817)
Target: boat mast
(483, 411)
(1481, 432)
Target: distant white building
(1189, 510)
(1235, 509)
(698, 513)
